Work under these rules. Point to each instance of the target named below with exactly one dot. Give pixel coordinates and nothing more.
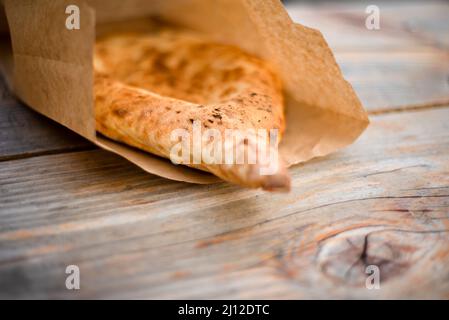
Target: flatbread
(149, 84)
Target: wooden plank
(405, 63)
(427, 21)
(25, 133)
(404, 25)
(383, 201)
(385, 81)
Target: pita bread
(149, 84)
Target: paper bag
(50, 68)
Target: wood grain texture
(389, 80)
(382, 201)
(404, 64)
(404, 25)
(26, 133)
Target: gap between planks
(411, 108)
(375, 201)
(46, 153)
(378, 112)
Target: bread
(149, 84)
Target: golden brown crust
(147, 85)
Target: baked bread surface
(149, 84)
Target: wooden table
(383, 201)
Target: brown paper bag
(50, 68)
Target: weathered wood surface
(404, 25)
(404, 64)
(397, 79)
(383, 201)
(26, 133)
